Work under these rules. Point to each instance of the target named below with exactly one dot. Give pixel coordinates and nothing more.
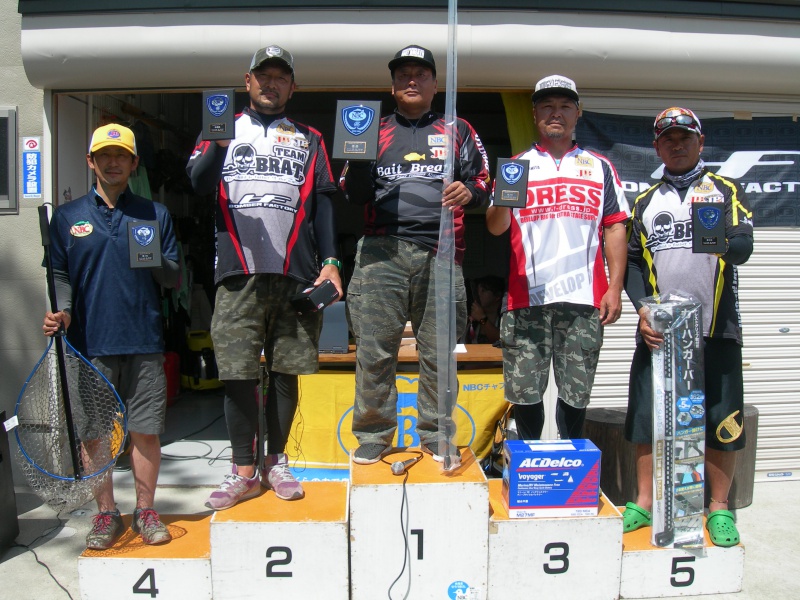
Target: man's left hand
(332, 273)
(456, 194)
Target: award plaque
(511, 183)
(144, 244)
(218, 115)
(356, 133)
(708, 228)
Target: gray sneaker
(276, 476)
(106, 528)
(233, 489)
(146, 522)
(367, 454)
(433, 450)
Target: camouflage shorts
(251, 313)
(568, 334)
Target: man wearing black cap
(403, 193)
(274, 219)
(660, 260)
(558, 296)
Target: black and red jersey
(270, 181)
(403, 193)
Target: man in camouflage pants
(403, 193)
(558, 295)
(275, 222)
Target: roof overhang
(349, 49)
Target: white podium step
(271, 548)
(651, 572)
(444, 555)
(557, 557)
(132, 570)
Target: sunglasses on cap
(679, 120)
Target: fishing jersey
(660, 247)
(556, 240)
(270, 179)
(116, 310)
(403, 191)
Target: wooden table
(476, 353)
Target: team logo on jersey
(668, 233)
(357, 119)
(437, 139)
(286, 129)
(217, 104)
(244, 159)
(709, 216)
(703, 187)
(414, 156)
(81, 229)
(284, 163)
(439, 153)
(511, 173)
(144, 234)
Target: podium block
(651, 572)
(554, 557)
(444, 550)
(270, 548)
(131, 570)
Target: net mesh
(65, 479)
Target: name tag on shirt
(144, 244)
(708, 228)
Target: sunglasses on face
(684, 120)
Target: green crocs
(722, 528)
(635, 517)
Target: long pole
(445, 261)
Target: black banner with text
(763, 154)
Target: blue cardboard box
(551, 478)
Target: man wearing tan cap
(276, 236)
(95, 281)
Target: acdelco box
(558, 478)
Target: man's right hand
(53, 321)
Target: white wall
(22, 284)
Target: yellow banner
(321, 434)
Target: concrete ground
(44, 564)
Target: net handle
(44, 226)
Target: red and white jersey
(556, 240)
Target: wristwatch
(333, 261)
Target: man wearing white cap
(660, 260)
(94, 281)
(558, 296)
(276, 236)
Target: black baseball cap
(416, 54)
(275, 53)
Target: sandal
(635, 517)
(722, 528)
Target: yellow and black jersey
(660, 256)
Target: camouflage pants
(251, 313)
(393, 283)
(568, 334)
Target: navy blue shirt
(115, 309)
